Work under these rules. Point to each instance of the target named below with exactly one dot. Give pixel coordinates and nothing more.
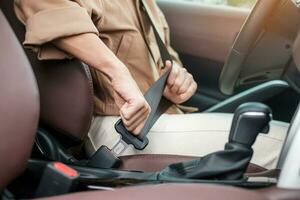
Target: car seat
(19, 119)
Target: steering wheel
(250, 32)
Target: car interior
(254, 58)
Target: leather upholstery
(19, 105)
(275, 193)
(186, 191)
(66, 96)
(169, 192)
(296, 51)
(157, 162)
(66, 89)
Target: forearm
(90, 49)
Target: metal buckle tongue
(119, 147)
(108, 158)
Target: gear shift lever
(249, 120)
(230, 164)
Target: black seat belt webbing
(153, 96)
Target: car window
(234, 3)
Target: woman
(115, 38)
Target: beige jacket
(121, 25)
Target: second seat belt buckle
(57, 179)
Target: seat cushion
(168, 192)
(156, 162)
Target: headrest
(19, 105)
(66, 90)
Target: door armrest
(259, 93)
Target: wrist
(114, 69)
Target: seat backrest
(19, 105)
(292, 73)
(296, 52)
(66, 90)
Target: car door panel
(203, 34)
(202, 30)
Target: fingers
(129, 109)
(134, 114)
(138, 129)
(190, 92)
(180, 98)
(138, 124)
(180, 86)
(179, 80)
(130, 124)
(181, 76)
(186, 84)
(173, 75)
(168, 64)
(168, 94)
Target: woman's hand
(180, 84)
(134, 109)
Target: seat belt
(108, 158)
(154, 96)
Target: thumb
(174, 72)
(168, 64)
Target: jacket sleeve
(47, 20)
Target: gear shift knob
(249, 120)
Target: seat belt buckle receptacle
(108, 158)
